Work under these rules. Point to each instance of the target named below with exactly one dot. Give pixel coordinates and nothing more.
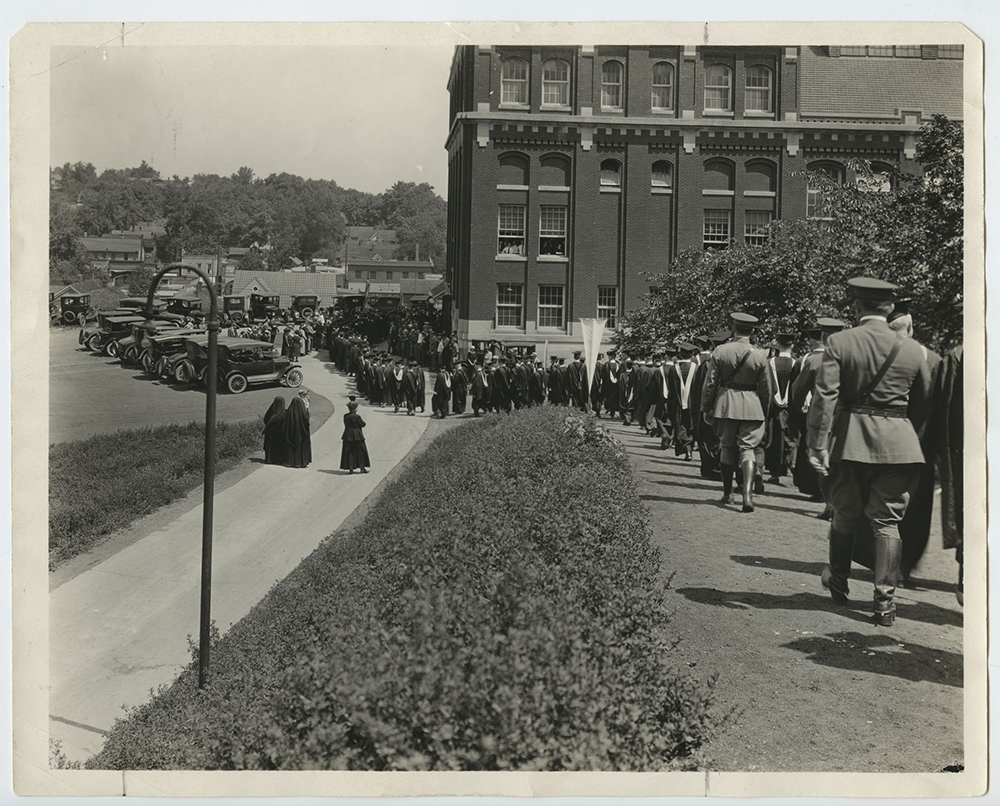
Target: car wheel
(306, 312)
(111, 349)
(68, 317)
(128, 357)
(81, 320)
(293, 378)
(181, 373)
(237, 316)
(236, 383)
(147, 362)
(94, 344)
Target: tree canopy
(909, 233)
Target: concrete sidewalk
(121, 628)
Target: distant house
(120, 254)
(389, 270)
(369, 243)
(287, 284)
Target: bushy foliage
(911, 235)
(102, 484)
(499, 608)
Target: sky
(364, 117)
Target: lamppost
(208, 508)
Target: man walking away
(736, 398)
(681, 381)
(776, 437)
(872, 396)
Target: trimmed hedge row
(104, 483)
(498, 609)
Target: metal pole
(208, 505)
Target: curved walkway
(121, 628)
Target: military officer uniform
(872, 396)
(737, 396)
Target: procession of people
(857, 423)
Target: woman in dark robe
(294, 435)
(354, 454)
(272, 442)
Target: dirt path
(819, 686)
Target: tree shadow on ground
(913, 662)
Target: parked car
(186, 306)
(130, 348)
(161, 351)
(76, 309)
(264, 305)
(110, 328)
(241, 363)
(305, 304)
(235, 307)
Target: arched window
(719, 175)
(554, 171)
(825, 174)
(514, 81)
(760, 177)
(663, 85)
(555, 83)
(718, 88)
(878, 181)
(513, 170)
(758, 90)
(611, 85)
(662, 175)
(611, 173)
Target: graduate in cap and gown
(354, 452)
(441, 401)
(419, 386)
(609, 384)
(707, 439)
(536, 385)
(681, 377)
(460, 387)
(776, 438)
(626, 391)
(481, 390)
(597, 387)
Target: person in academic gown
(459, 388)
(679, 404)
(441, 401)
(272, 418)
(776, 437)
(481, 390)
(500, 381)
(419, 386)
(354, 453)
(609, 384)
(555, 383)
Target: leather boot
(748, 481)
(888, 553)
(836, 574)
(728, 471)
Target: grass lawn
(106, 482)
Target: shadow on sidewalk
(913, 662)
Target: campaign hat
(873, 289)
(744, 319)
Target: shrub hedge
(102, 484)
(499, 608)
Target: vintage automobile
(241, 363)
(305, 304)
(263, 305)
(111, 327)
(75, 309)
(130, 348)
(162, 351)
(235, 307)
(185, 306)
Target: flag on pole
(364, 302)
(593, 332)
(545, 354)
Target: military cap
(870, 288)
(743, 318)
(830, 325)
(720, 336)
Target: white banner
(593, 332)
(545, 354)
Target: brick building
(575, 170)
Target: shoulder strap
(873, 384)
(739, 366)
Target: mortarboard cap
(576, 354)
(702, 340)
(784, 337)
(743, 318)
(872, 289)
(720, 336)
(687, 347)
(901, 307)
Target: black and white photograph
(484, 399)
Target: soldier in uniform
(736, 399)
(871, 398)
(776, 437)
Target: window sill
(512, 258)
(612, 110)
(754, 114)
(507, 329)
(518, 107)
(709, 192)
(661, 191)
(554, 188)
(610, 189)
(552, 259)
(512, 187)
(550, 329)
(659, 111)
(718, 113)
(766, 194)
(556, 108)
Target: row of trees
(910, 235)
(303, 218)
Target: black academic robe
(441, 401)
(481, 390)
(500, 398)
(536, 387)
(459, 389)
(522, 376)
(680, 380)
(776, 438)
(556, 386)
(705, 435)
(609, 387)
